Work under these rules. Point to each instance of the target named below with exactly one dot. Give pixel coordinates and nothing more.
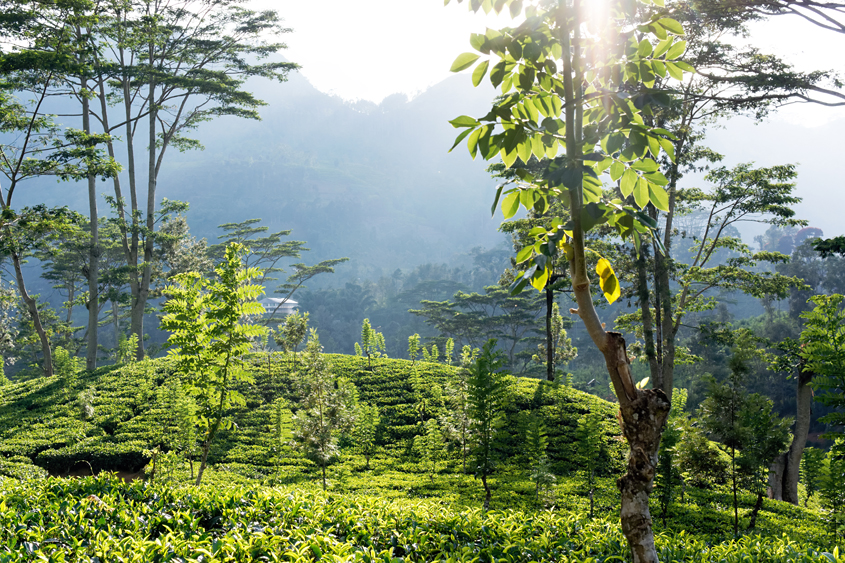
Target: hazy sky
(369, 49)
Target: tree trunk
(756, 510)
(487, 494)
(791, 474)
(642, 424)
(32, 308)
(93, 250)
(776, 473)
(206, 446)
(550, 345)
(733, 486)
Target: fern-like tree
(667, 471)
(812, 465)
(210, 333)
(365, 432)
(372, 343)
(456, 421)
(589, 440)
(487, 394)
(536, 461)
(429, 445)
(292, 333)
(326, 409)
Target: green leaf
(677, 50)
(674, 71)
(508, 157)
(460, 138)
(629, 181)
(472, 142)
(670, 25)
(669, 147)
(524, 254)
(662, 47)
(654, 146)
(607, 280)
(657, 178)
(510, 205)
(641, 192)
(523, 150)
(496, 199)
(616, 170)
(644, 48)
(684, 66)
(479, 72)
(645, 165)
(591, 188)
(526, 198)
(658, 196)
(464, 121)
(464, 61)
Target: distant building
(281, 307)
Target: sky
(370, 49)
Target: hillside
(45, 426)
(117, 418)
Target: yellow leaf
(608, 282)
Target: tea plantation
(261, 499)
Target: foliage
(823, 349)
(473, 318)
(589, 450)
(138, 522)
(812, 466)
(487, 392)
(372, 343)
(325, 409)
(365, 432)
(667, 469)
(564, 351)
(292, 332)
(209, 337)
(430, 446)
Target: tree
(558, 349)
(812, 465)
(575, 80)
(537, 462)
(667, 470)
(292, 333)
(487, 393)
(429, 445)
(209, 336)
(589, 439)
(367, 420)
(473, 318)
(744, 425)
(823, 350)
(372, 343)
(160, 69)
(268, 252)
(326, 407)
(456, 421)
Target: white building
(281, 307)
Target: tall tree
(823, 350)
(210, 335)
(326, 409)
(487, 389)
(581, 81)
(161, 68)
